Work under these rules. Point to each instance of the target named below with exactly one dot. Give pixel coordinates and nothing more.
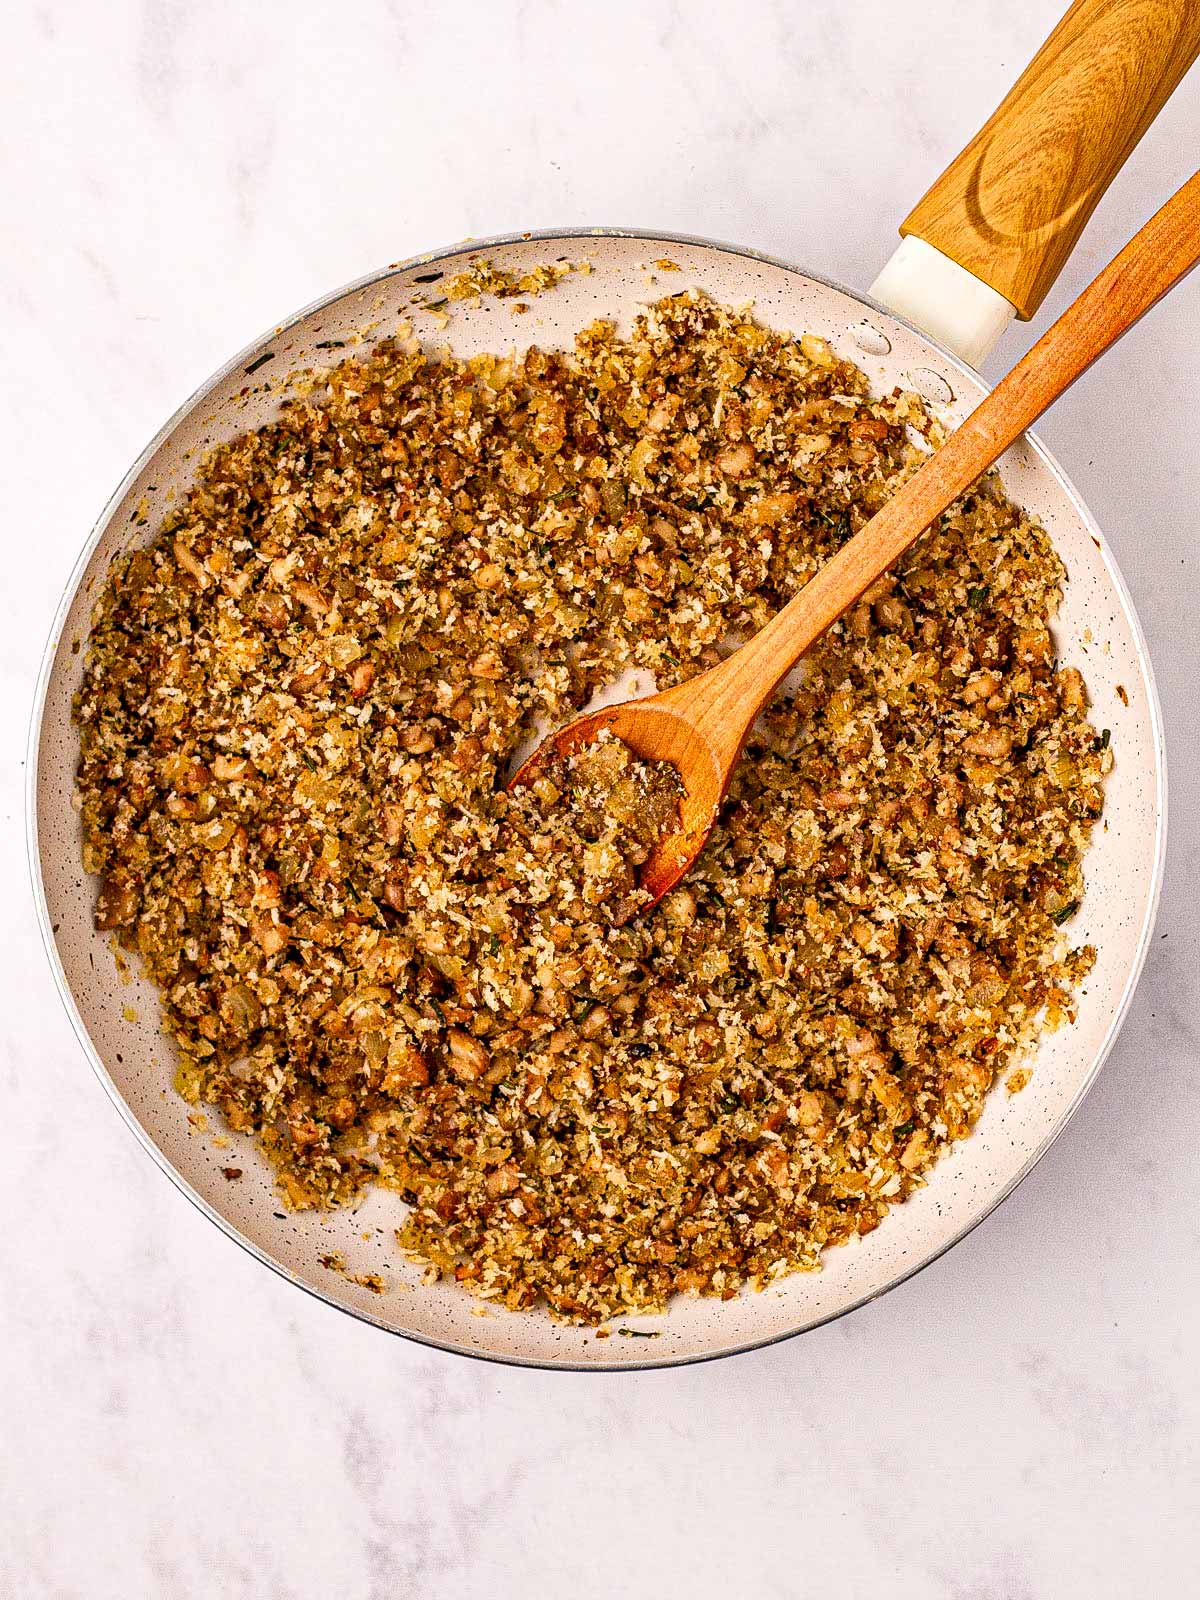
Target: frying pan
(985, 242)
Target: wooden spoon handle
(1012, 205)
(727, 699)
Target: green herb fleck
(902, 1129)
(976, 597)
(261, 362)
(1059, 917)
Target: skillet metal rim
(34, 741)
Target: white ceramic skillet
(1013, 239)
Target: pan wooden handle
(1010, 207)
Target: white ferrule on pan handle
(943, 299)
(988, 239)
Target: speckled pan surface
(1095, 630)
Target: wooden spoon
(701, 726)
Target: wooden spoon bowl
(656, 730)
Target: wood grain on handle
(723, 700)
(1010, 207)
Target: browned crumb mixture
(300, 704)
(484, 277)
(587, 821)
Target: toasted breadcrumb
(484, 277)
(300, 703)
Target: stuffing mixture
(303, 698)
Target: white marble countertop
(1022, 1419)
